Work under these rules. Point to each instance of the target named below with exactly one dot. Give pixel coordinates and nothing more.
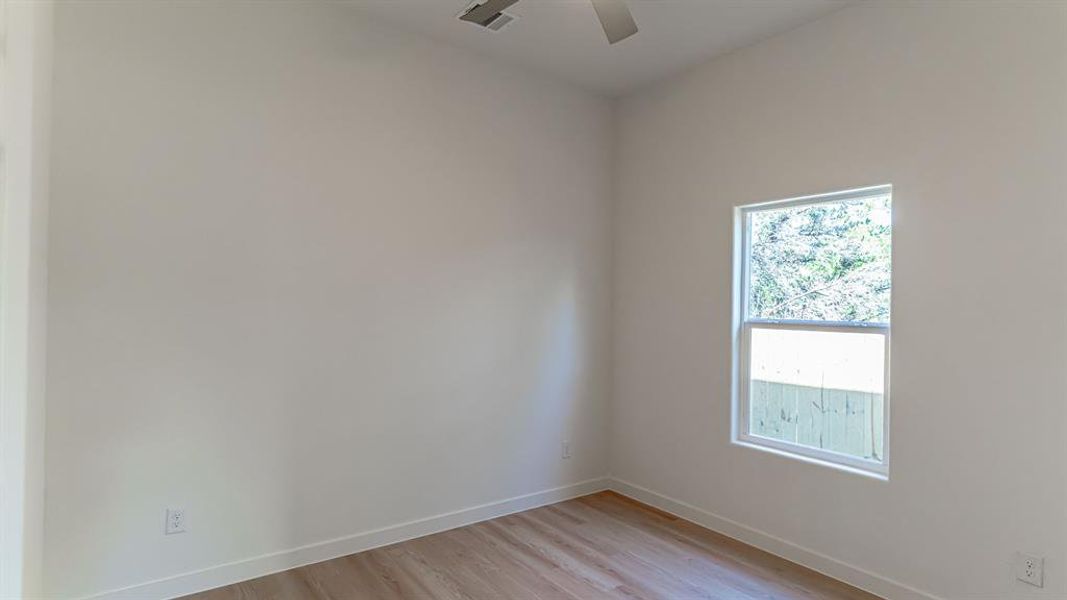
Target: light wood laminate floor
(595, 547)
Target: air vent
(488, 14)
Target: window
(812, 337)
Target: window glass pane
(822, 262)
(822, 389)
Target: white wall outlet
(565, 449)
(1030, 569)
(175, 521)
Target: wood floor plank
(599, 547)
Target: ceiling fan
(614, 16)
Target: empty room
(533, 299)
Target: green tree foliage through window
(822, 262)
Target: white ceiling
(564, 38)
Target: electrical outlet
(565, 450)
(175, 521)
(1030, 569)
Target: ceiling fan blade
(486, 11)
(616, 19)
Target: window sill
(872, 474)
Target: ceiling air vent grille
(488, 13)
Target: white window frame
(742, 335)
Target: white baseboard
(242, 570)
(225, 574)
(816, 561)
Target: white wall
(24, 109)
(309, 276)
(282, 297)
(961, 106)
